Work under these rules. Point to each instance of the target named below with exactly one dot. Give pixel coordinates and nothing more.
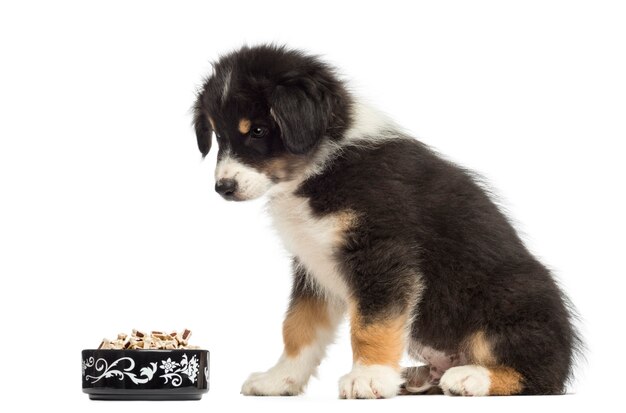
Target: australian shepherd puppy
(406, 244)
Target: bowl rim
(147, 350)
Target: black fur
(301, 117)
(423, 221)
(477, 273)
(298, 97)
(204, 132)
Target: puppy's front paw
(370, 382)
(273, 382)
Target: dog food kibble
(156, 340)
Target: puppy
(382, 229)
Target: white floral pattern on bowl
(172, 371)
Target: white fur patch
(287, 378)
(369, 124)
(227, 80)
(291, 374)
(370, 382)
(311, 239)
(251, 183)
(470, 380)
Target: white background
(108, 219)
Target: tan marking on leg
(479, 349)
(212, 122)
(380, 342)
(505, 381)
(244, 126)
(303, 319)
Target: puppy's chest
(313, 240)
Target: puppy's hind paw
(466, 381)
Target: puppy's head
(270, 109)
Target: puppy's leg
(309, 327)
(377, 347)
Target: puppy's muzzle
(226, 188)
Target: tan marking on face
(212, 122)
(479, 349)
(244, 126)
(283, 168)
(277, 168)
(380, 342)
(304, 317)
(505, 381)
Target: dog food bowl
(145, 374)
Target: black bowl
(145, 374)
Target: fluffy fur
(383, 229)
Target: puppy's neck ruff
(315, 239)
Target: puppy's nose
(226, 188)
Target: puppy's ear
(204, 131)
(302, 116)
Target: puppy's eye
(258, 132)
